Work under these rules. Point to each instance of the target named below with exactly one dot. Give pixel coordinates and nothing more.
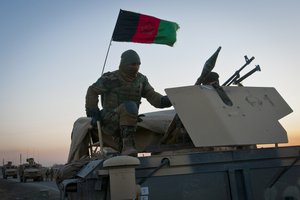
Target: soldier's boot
(128, 144)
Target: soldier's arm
(92, 96)
(153, 97)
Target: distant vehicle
(207, 148)
(9, 170)
(31, 170)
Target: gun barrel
(257, 68)
(248, 61)
(236, 75)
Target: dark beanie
(129, 57)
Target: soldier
(47, 174)
(51, 174)
(121, 92)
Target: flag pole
(106, 55)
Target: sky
(52, 50)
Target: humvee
(9, 170)
(208, 147)
(31, 170)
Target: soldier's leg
(128, 113)
(110, 126)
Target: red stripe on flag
(146, 30)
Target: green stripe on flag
(166, 33)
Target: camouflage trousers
(125, 114)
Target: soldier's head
(211, 78)
(129, 64)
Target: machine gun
(236, 75)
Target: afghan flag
(135, 27)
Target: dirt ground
(10, 190)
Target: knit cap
(129, 57)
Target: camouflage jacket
(114, 90)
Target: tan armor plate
(253, 118)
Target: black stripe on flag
(126, 26)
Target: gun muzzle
(257, 68)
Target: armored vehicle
(30, 170)
(208, 147)
(9, 170)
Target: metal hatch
(252, 119)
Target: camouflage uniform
(120, 98)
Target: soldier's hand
(95, 114)
(165, 102)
